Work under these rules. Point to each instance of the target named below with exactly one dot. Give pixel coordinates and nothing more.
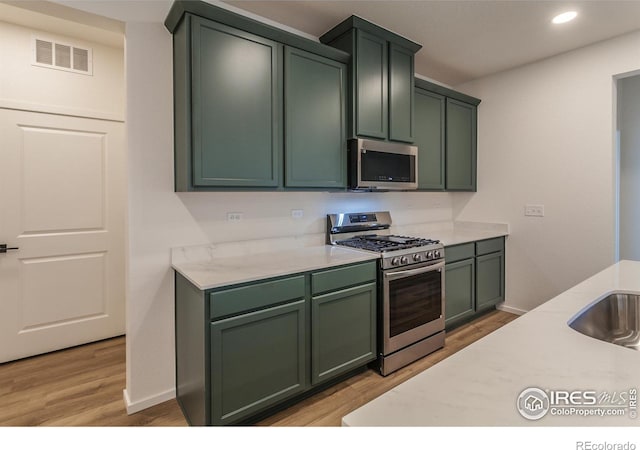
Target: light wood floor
(82, 386)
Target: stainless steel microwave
(379, 165)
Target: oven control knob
(416, 257)
(429, 255)
(395, 261)
(436, 254)
(404, 260)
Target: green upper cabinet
(446, 130)
(401, 98)
(315, 120)
(381, 79)
(461, 146)
(430, 139)
(371, 86)
(231, 100)
(236, 112)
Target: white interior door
(62, 202)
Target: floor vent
(62, 56)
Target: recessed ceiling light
(565, 17)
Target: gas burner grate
(385, 243)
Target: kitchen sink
(615, 318)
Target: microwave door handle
(408, 273)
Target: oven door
(413, 304)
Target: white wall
(25, 86)
(629, 128)
(545, 136)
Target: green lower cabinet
(343, 336)
(257, 360)
(459, 290)
(474, 279)
(490, 280)
(246, 349)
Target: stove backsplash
(268, 215)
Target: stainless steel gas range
(410, 285)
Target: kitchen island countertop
(480, 385)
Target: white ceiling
(464, 40)
(55, 18)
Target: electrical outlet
(534, 210)
(234, 216)
(297, 213)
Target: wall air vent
(62, 56)
(44, 52)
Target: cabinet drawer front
(489, 246)
(247, 298)
(458, 252)
(333, 279)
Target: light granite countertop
(224, 271)
(218, 265)
(480, 385)
(454, 233)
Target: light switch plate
(534, 210)
(234, 216)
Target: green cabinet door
(401, 94)
(489, 280)
(461, 146)
(236, 107)
(371, 85)
(257, 360)
(429, 138)
(459, 290)
(343, 331)
(315, 121)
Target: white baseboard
(511, 309)
(134, 407)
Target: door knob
(4, 248)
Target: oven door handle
(410, 272)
